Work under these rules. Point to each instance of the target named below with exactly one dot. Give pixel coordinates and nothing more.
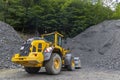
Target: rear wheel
(53, 66)
(78, 65)
(32, 70)
(71, 66)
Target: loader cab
(55, 38)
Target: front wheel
(32, 70)
(53, 66)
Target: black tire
(32, 70)
(78, 65)
(50, 65)
(71, 66)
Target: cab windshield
(49, 38)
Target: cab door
(59, 44)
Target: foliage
(69, 17)
(116, 14)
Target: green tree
(69, 17)
(116, 14)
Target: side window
(59, 41)
(34, 49)
(39, 47)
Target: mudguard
(67, 59)
(47, 53)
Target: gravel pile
(9, 44)
(98, 46)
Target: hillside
(99, 45)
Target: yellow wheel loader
(45, 51)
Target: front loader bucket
(27, 61)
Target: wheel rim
(56, 63)
(73, 63)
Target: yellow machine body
(35, 56)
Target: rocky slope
(99, 45)
(10, 42)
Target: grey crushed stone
(10, 43)
(98, 46)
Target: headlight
(22, 48)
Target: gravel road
(81, 74)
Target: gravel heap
(98, 46)
(10, 43)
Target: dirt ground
(81, 74)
